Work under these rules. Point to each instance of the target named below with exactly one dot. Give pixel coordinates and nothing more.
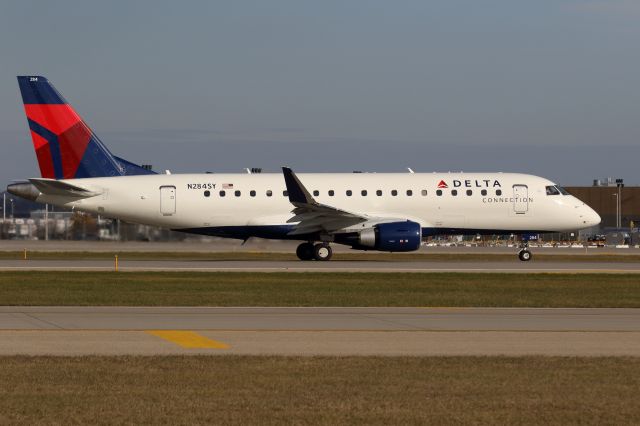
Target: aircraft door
(167, 200)
(520, 199)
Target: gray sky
(543, 87)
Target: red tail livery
(65, 146)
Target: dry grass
(295, 390)
(308, 289)
(361, 256)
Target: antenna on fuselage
(410, 170)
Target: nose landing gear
(524, 254)
(309, 251)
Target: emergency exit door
(520, 199)
(167, 200)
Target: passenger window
(349, 193)
(483, 192)
(237, 193)
(439, 192)
(207, 193)
(285, 193)
(469, 192)
(252, 193)
(316, 193)
(394, 192)
(424, 192)
(331, 193)
(498, 191)
(222, 193)
(364, 192)
(378, 193)
(454, 192)
(409, 193)
(269, 193)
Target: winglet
(298, 194)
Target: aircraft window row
(551, 190)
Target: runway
(514, 266)
(319, 331)
(223, 245)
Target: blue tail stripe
(97, 161)
(38, 90)
(54, 146)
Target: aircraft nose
(589, 217)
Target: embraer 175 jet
(366, 211)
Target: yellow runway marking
(188, 339)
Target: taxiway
(319, 331)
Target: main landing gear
(309, 251)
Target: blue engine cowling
(394, 236)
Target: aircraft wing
(313, 216)
(61, 188)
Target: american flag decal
(227, 186)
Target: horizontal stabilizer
(61, 188)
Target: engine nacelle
(394, 236)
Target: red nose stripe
(56, 118)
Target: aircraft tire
(322, 252)
(305, 251)
(525, 255)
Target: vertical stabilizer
(65, 146)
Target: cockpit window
(556, 190)
(552, 190)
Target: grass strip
(323, 390)
(280, 256)
(78, 288)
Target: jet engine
(393, 236)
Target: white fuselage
(484, 201)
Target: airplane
(389, 212)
